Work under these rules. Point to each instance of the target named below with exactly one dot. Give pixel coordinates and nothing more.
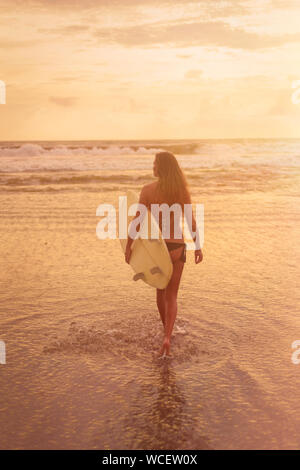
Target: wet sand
(82, 338)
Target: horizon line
(152, 139)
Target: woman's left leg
(171, 299)
(161, 304)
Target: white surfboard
(150, 259)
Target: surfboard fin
(156, 270)
(138, 276)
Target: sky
(149, 69)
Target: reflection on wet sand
(160, 416)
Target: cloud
(202, 33)
(65, 101)
(84, 4)
(65, 30)
(193, 74)
(284, 4)
(184, 56)
(14, 44)
(132, 8)
(74, 78)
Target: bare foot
(165, 349)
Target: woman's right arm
(194, 231)
(142, 200)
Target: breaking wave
(37, 150)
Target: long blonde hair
(172, 183)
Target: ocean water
(82, 338)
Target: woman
(171, 187)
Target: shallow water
(82, 338)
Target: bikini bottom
(173, 246)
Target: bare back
(150, 195)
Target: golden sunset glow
(144, 69)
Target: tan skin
(166, 299)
